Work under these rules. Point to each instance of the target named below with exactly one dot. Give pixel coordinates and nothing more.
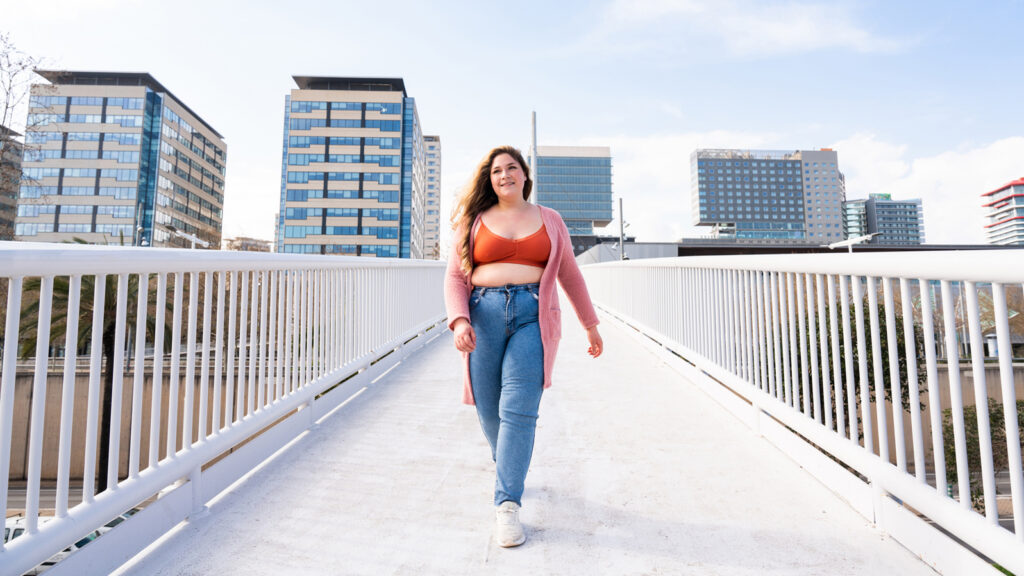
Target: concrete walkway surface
(635, 471)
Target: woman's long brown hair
(480, 196)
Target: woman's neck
(511, 205)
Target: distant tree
(58, 327)
(997, 431)
(883, 336)
(16, 74)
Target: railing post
(292, 308)
(199, 507)
(796, 320)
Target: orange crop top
(489, 248)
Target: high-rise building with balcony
(116, 158)
(353, 174)
(576, 181)
(10, 175)
(855, 216)
(432, 219)
(769, 196)
(896, 222)
(1005, 214)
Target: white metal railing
(251, 339)
(801, 339)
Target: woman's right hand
(465, 337)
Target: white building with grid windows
(432, 213)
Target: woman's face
(507, 177)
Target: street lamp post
(851, 241)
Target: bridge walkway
(635, 471)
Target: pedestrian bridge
(309, 420)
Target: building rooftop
(6, 132)
(575, 151)
(739, 154)
(93, 78)
(1017, 182)
(365, 84)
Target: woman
(503, 310)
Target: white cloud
(950, 184)
(760, 29)
(870, 165)
(746, 28)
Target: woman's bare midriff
(502, 273)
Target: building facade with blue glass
(768, 196)
(116, 158)
(576, 181)
(353, 169)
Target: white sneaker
(507, 529)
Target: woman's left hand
(596, 344)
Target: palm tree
(58, 327)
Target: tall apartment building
(576, 181)
(896, 222)
(769, 196)
(855, 217)
(353, 174)
(10, 175)
(1005, 214)
(432, 219)
(116, 158)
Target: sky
(919, 99)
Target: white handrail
(298, 326)
(693, 306)
(996, 265)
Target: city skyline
(897, 90)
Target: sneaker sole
(512, 544)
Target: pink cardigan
(561, 265)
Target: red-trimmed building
(1005, 214)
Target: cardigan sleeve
(571, 279)
(456, 285)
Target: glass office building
(353, 169)
(768, 196)
(115, 158)
(1005, 214)
(577, 182)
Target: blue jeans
(507, 374)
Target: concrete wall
(51, 425)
